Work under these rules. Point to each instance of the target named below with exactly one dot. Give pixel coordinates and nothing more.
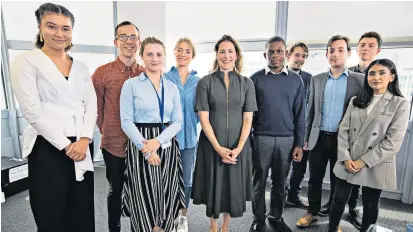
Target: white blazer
(56, 108)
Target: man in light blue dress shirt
(330, 93)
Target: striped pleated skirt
(152, 195)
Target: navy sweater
(281, 105)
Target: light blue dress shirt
(188, 136)
(333, 103)
(139, 104)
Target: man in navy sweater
(278, 132)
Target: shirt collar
(268, 70)
(345, 72)
(122, 67)
(143, 76)
(298, 72)
(174, 69)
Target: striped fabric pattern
(152, 195)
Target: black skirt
(152, 195)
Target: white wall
(93, 21)
(149, 17)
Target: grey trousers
(270, 152)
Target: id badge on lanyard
(161, 102)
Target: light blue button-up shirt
(333, 103)
(188, 136)
(139, 104)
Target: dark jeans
(371, 201)
(58, 201)
(297, 176)
(115, 169)
(270, 152)
(325, 151)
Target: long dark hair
(365, 96)
(51, 8)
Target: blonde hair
(238, 62)
(150, 40)
(189, 42)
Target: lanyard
(161, 103)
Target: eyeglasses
(125, 38)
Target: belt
(328, 134)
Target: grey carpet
(16, 215)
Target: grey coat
(375, 139)
(315, 102)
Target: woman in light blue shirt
(151, 116)
(186, 81)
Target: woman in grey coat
(370, 135)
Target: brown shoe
(306, 220)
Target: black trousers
(325, 151)
(270, 152)
(371, 201)
(297, 176)
(58, 201)
(115, 170)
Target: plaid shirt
(108, 81)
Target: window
(348, 18)
(205, 21)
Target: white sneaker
(183, 224)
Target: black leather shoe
(298, 202)
(355, 217)
(325, 210)
(280, 225)
(257, 227)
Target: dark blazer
(307, 80)
(315, 102)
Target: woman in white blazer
(370, 135)
(56, 96)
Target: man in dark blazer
(330, 93)
(296, 57)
